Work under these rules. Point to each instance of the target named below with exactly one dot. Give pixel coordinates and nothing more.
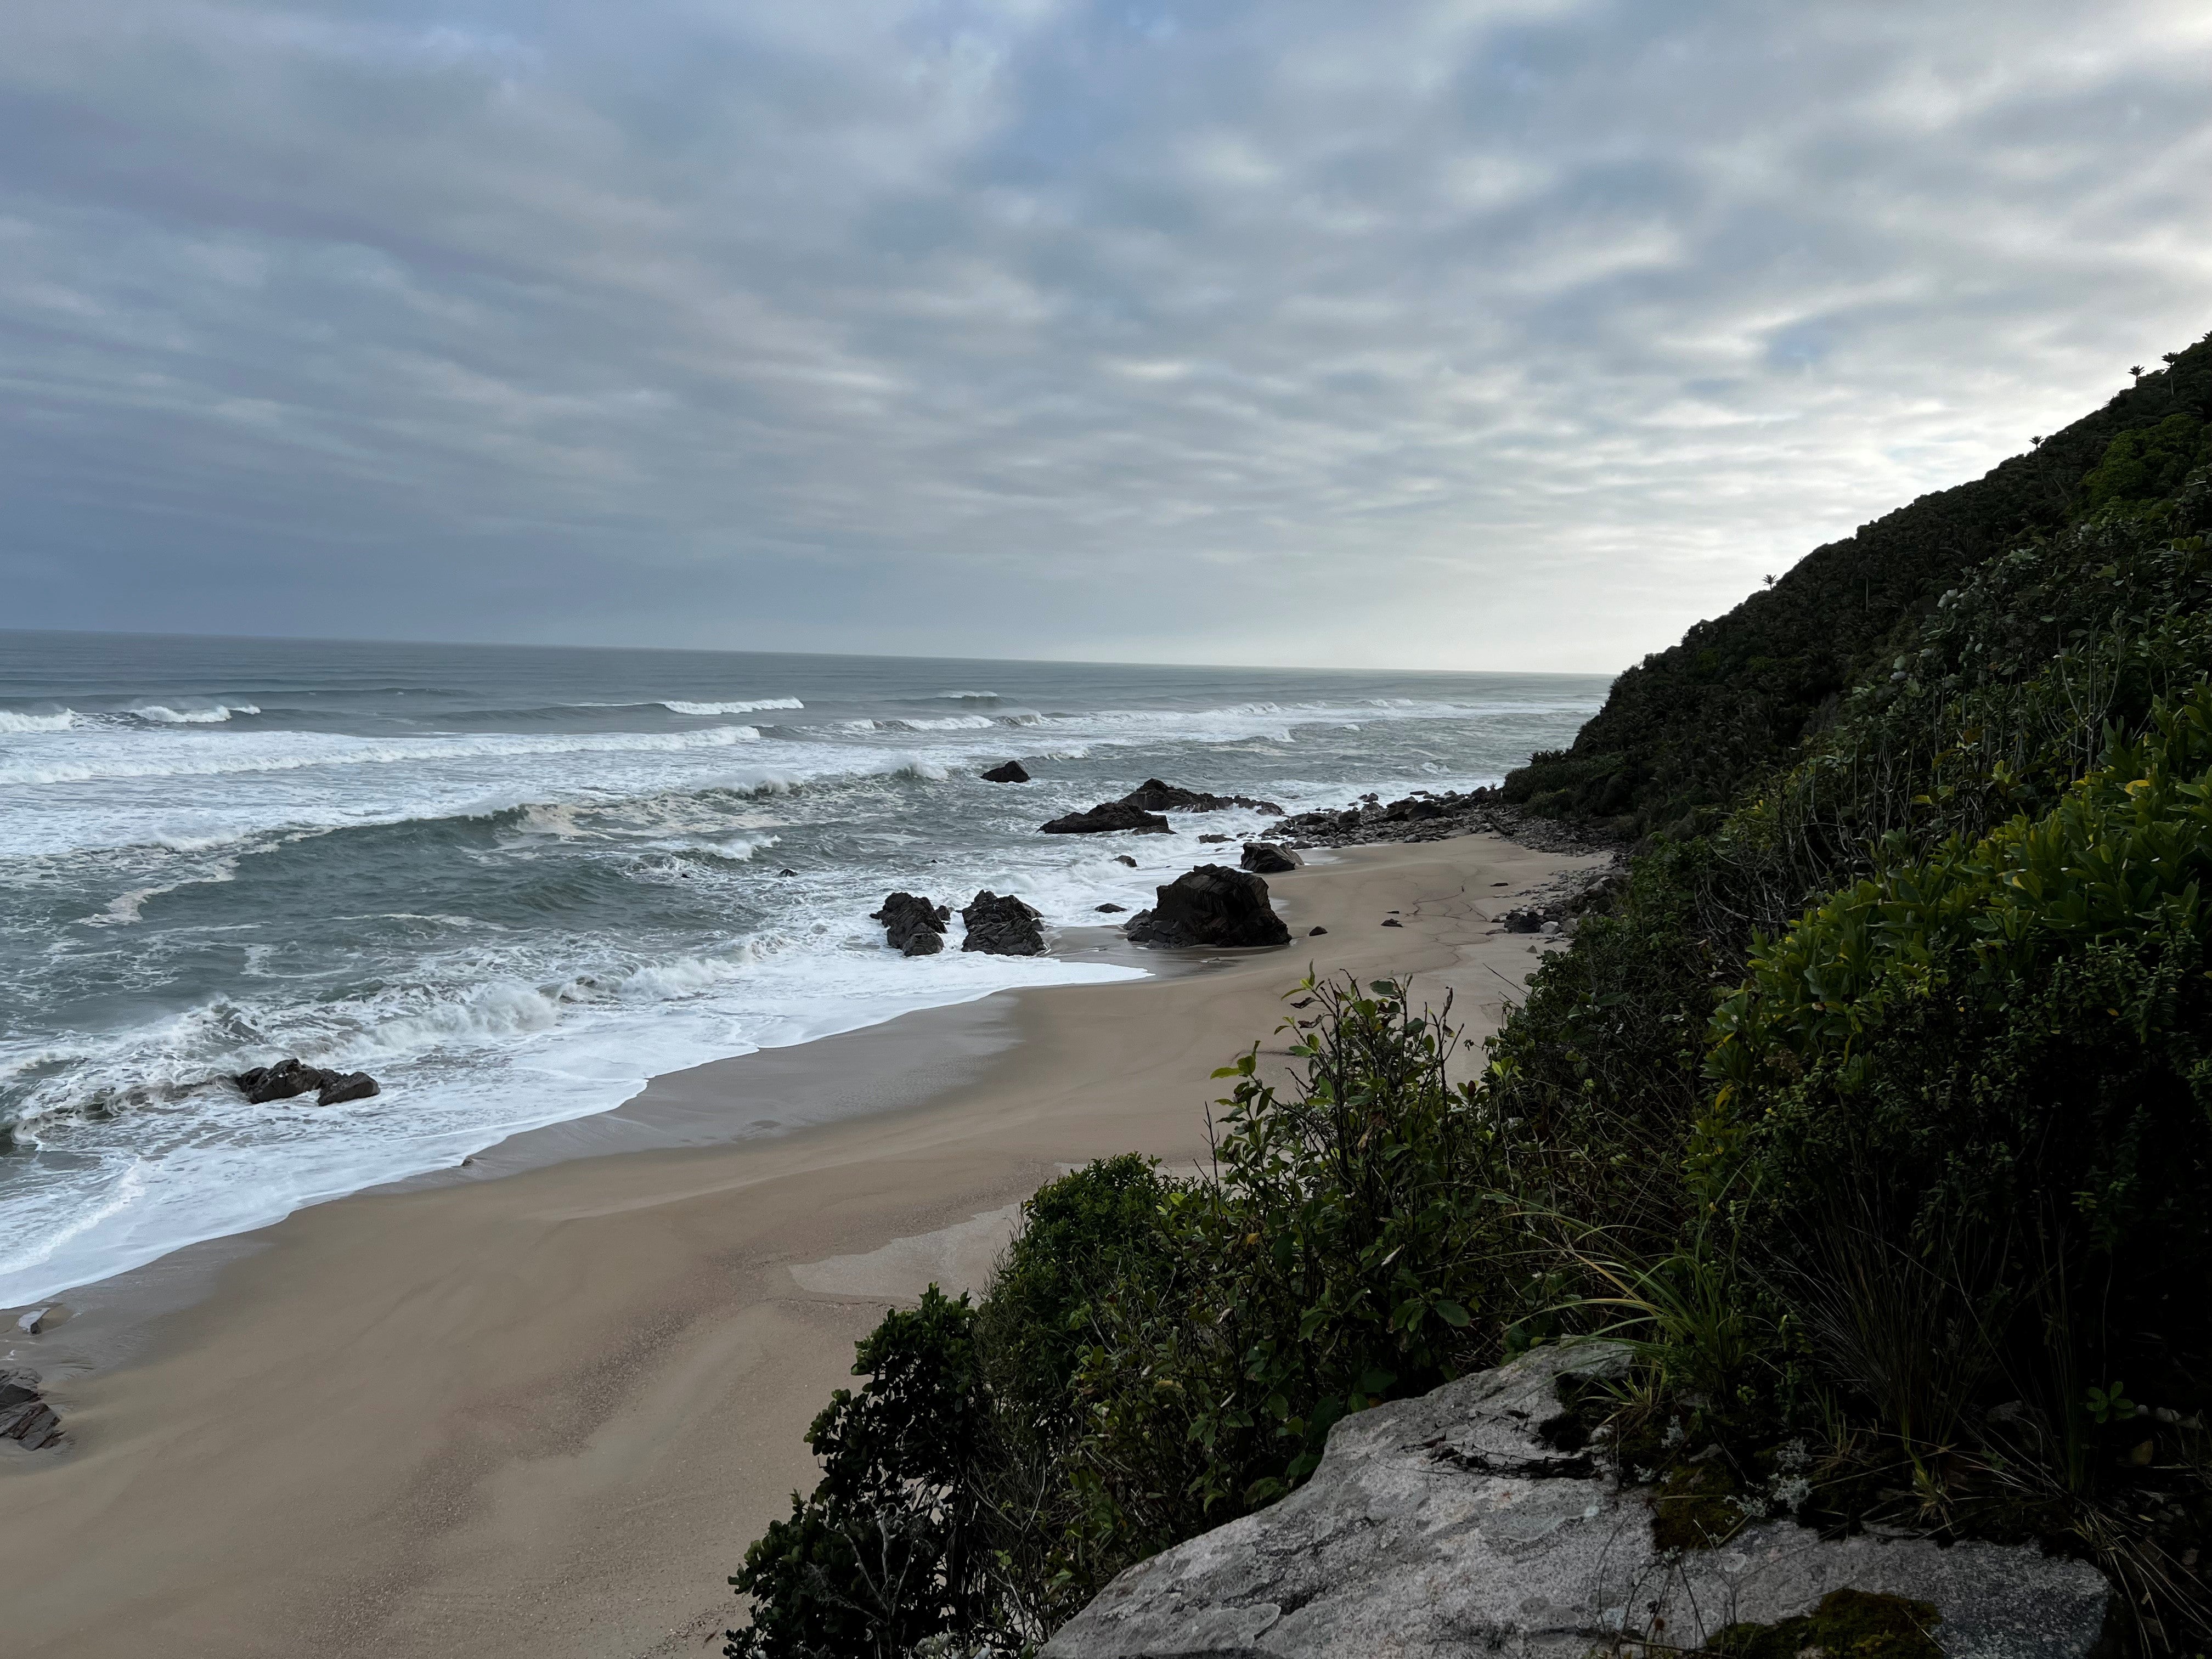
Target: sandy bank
(543, 1414)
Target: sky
(1468, 334)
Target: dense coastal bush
(1873, 1105)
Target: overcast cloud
(1472, 333)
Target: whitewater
(515, 882)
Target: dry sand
(543, 1414)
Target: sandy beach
(542, 1409)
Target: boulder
(1316, 932)
(342, 1087)
(1112, 909)
(25, 1416)
(1123, 858)
(1523, 921)
(1154, 796)
(1108, 817)
(1010, 773)
(1471, 1521)
(1211, 840)
(1265, 858)
(287, 1078)
(1005, 926)
(912, 925)
(1212, 905)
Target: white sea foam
(61, 721)
(680, 708)
(163, 714)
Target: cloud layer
(1465, 333)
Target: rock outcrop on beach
(912, 925)
(288, 1077)
(1212, 905)
(1425, 817)
(1011, 772)
(1474, 1520)
(1108, 817)
(1003, 925)
(1266, 859)
(1153, 795)
(25, 1416)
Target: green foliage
(886, 1552)
(1685, 732)
(1848, 1624)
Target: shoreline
(541, 1405)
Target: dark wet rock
(1523, 921)
(1212, 905)
(912, 925)
(787, 873)
(347, 1085)
(1455, 1524)
(1106, 817)
(1316, 932)
(1425, 816)
(1003, 925)
(1011, 772)
(1123, 858)
(1155, 796)
(289, 1078)
(1392, 922)
(25, 1416)
(1266, 859)
(1112, 908)
(1211, 840)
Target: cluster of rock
(912, 925)
(1478, 1520)
(1212, 905)
(25, 1416)
(1423, 815)
(288, 1077)
(1000, 924)
(1003, 925)
(1108, 817)
(1154, 796)
(1139, 811)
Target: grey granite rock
(1450, 1525)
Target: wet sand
(540, 1407)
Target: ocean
(514, 882)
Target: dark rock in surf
(342, 1086)
(1123, 858)
(1111, 909)
(1153, 795)
(1209, 841)
(1212, 905)
(1004, 926)
(1316, 932)
(25, 1416)
(1010, 773)
(287, 1079)
(1265, 858)
(1106, 817)
(912, 925)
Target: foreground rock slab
(1451, 1525)
(1212, 905)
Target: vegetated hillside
(1874, 1105)
(1681, 732)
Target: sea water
(514, 882)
